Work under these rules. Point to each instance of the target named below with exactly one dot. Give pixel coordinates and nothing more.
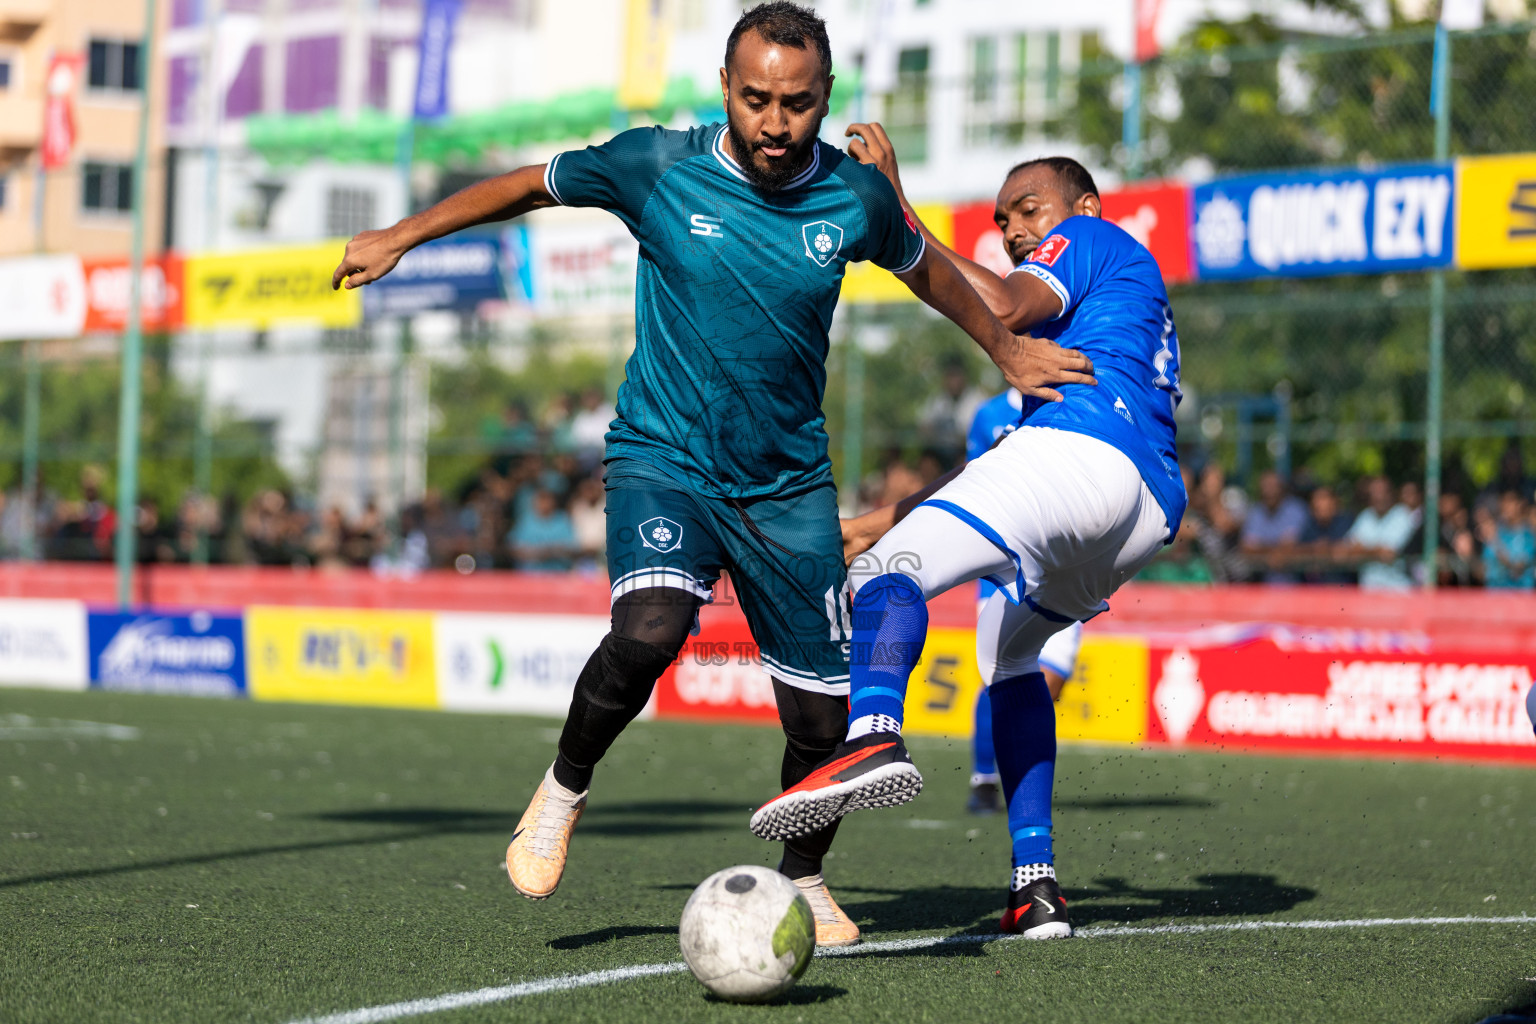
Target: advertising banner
(336, 656)
(42, 643)
(647, 39)
(718, 675)
(41, 297)
(1496, 211)
(583, 268)
(432, 48)
(1324, 222)
(107, 284)
(867, 283)
(457, 273)
(262, 287)
(978, 239)
(196, 655)
(1265, 696)
(59, 111)
(941, 692)
(1157, 216)
(519, 664)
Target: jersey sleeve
(1068, 260)
(978, 441)
(617, 176)
(892, 241)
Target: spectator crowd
(537, 502)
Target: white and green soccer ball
(747, 933)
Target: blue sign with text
(198, 654)
(455, 273)
(1309, 224)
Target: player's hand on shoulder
(1033, 365)
(872, 146)
(369, 256)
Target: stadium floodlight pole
(1440, 106)
(131, 395)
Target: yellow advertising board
(1106, 701)
(341, 656)
(867, 283)
(1496, 211)
(262, 287)
(647, 38)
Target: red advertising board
(1157, 216)
(160, 289)
(718, 675)
(1265, 696)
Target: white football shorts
(1058, 520)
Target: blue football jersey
(733, 300)
(997, 416)
(1114, 308)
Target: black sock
(813, 723)
(612, 689)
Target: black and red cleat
(1037, 911)
(871, 771)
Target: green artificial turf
(265, 862)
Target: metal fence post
(1130, 126)
(202, 451)
(31, 404)
(1440, 101)
(853, 411)
(133, 338)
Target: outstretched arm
(1029, 364)
(1020, 301)
(372, 254)
(862, 532)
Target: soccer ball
(747, 934)
(823, 243)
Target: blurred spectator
(1411, 496)
(1511, 477)
(544, 540)
(590, 426)
(1220, 511)
(1272, 528)
(900, 481)
(557, 425)
(1322, 538)
(325, 544)
(1378, 538)
(1457, 548)
(1509, 548)
(1181, 561)
(589, 521)
(154, 538)
(517, 435)
(945, 418)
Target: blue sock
(1024, 734)
(983, 759)
(890, 623)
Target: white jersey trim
(642, 579)
(549, 178)
(1051, 281)
(730, 164)
(922, 247)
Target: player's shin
(611, 690)
(1024, 735)
(890, 623)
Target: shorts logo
(823, 241)
(660, 534)
(1047, 251)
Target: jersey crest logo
(823, 241)
(1049, 251)
(661, 534)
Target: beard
(782, 171)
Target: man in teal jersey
(717, 459)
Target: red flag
(1146, 28)
(59, 111)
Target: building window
(5, 72)
(1031, 86)
(244, 96)
(185, 13)
(378, 73)
(108, 188)
(114, 65)
(5, 182)
(311, 76)
(906, 109)
(348, 211)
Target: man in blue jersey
(1058, 515)
(717, 457)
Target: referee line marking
(568, 982)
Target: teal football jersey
(733, 300)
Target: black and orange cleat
(871, 771)
(1037, 911)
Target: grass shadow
(1519, 1006)
(602, 935)
(800, 995)
(1135, 803)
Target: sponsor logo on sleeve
(1049, 251)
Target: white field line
(564, 983)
